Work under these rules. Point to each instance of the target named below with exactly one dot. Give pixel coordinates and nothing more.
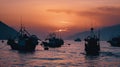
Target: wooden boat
(92, 45)
(77, 40)
(52, 42)
(23, 41)
(115, 41)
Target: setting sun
(62, 30)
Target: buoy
(69, 44)
(46, 48)
(2, 41)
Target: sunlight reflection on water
(67, 56)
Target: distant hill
(6, 31)
(106, 33)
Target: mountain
(6, 31)
(105, 33)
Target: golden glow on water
(67, 56)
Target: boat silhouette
(115, 41)
(92, 45)
(77, 40)
(52, 42)
(23, 41)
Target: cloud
(109, 9)
(107, 15)
(104, 15)
(95, 11)
(67, 11)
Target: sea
(71, 54)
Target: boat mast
(99, 33)
(92, 34)
(99, 37)
(22, 28)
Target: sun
(62, 30)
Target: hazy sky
(71, 16)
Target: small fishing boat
(77, 40)
(52, 42)
(23, 41)
(92, 44)
(115, 41)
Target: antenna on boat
(91, 24)
(21, 21)
(21, 26)
(92, 29)
(23, 30)
(99, 33)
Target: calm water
(67, 56)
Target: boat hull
(114, 43)
(29, 45)
(54, 44)
(92, 46)
(77, 40)
(92, 50)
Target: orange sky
(72, 16)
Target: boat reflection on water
(66, 56)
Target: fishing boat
(23, 41)
(52, 42)
(115, 41)
(77, 40)
(92, 44)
